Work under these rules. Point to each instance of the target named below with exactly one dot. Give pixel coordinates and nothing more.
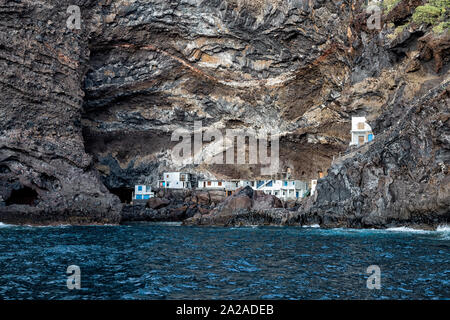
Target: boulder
(157, 203)
(203, 197)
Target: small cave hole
(4, 169)
(24, 195)
(125, 194)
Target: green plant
(441, 27)
(388, 5)
(435, 13)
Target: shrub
(434, 12)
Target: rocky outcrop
(246, 206)
(401, 178)
(173, 205)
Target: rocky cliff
(91, 111)
(45, 174)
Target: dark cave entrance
(125, 194)
(24, 195)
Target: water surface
(148, 261)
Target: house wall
(356, 132)
(142, 192)
(172, 180)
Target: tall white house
(313, 186)
(361, 131)
(175, 180)
(142, 192)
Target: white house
(361, 131)
(217, 184)
(313, 186)
(283, 189)
(142, 192)
(175, 180)
(224, 184)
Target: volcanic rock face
(45, 175)
(157, 66)
(401, 178)
(88, 110)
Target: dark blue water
(147, 261)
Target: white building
(217, 184)
(283, 189)
(313, 186)
(175, 180)
(229, 186)
(142, 192)
(361, 131)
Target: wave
(443, 228)
(4, 225)
(311, 226)
(408, 229)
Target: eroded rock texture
(88, 110)
(401, 178)
(45, 174)
(157, 66)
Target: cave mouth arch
(24, 195)
(125, 194)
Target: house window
(360, 125)
(146, 196)
(167, 176)
(219, 183)
(167, 183)
(139, 196)
(139, 188)
(285, 184)
(209, 183)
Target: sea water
(169, 261)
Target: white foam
(4, 225)
(311, 226)
(407, 229)
(443, 228)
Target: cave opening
(125, 194)
(24, 195)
